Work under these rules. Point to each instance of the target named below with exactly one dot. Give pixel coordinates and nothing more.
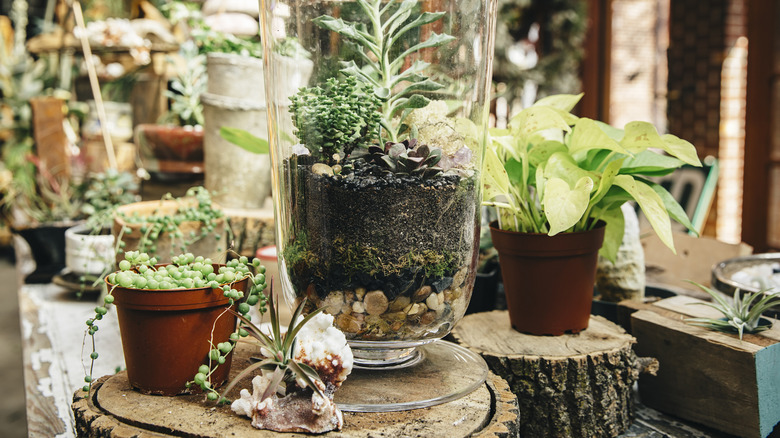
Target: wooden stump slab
(113, 409)
(252, 229)
(567, 386)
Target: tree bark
(567, 386)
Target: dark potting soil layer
(391, 257)
(374, 229)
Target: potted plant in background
(558, 182)
(163, 228)
(173, 148)
(172, 316)
(89, 247)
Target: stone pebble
(370, 315)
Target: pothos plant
(140, 271)
(552, 172)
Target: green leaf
(349, 31)
(514, 170)
(607, 179)
(639, 136)
(562, 165)
(681, 149)
(674, 209)
(435, 40)
(650, 163)
(563, 102)
(244, 140)
(535, 119)
(426, 85)
(587, 135)
(412, 74)
(564, 207)
(612, 132)
(613, 233)
(415, 101)
(425, 18)
(350, 68)
(495, 181)
(542, 152)
(652, 205)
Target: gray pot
(236, 76)
(236, 178)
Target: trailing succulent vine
(140, 271)
(380, 69)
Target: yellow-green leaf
(563, 102)
(564, 207)
(535, 119)
(587, 135)
(681, 149)
(495, 181)
(639, 136)
(651, 204)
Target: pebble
(333, 302)
(399, 303)
(460, 277)
(421, 294)
(360, 293)
(347, 323)
(358, 307)
(321, 169)
(375, 302)
(428, 317)
(434, 302)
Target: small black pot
(47, 245)
(485, 294)
(609, 309)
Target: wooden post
(571, 385)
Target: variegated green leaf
(563, 206)
(587, 135)
(651, 204)
(681, 149)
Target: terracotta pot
(170, 148)
(548, 280)
(166, 334)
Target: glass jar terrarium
(376, 163)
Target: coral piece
(320, 346)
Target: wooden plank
(706, 376)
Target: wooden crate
(705, 376)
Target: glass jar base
(426, 375)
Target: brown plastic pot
(548, 280)
(166, 334)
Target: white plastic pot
(87, 253)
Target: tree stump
(252, 229)
(113, 409)
(567, 386)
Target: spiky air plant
(278, 351)
(742, 314)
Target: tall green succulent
(337, 117)
(387, 32)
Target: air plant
(278, 350)
(742, 314)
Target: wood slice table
(113, 409)
(252, 229)
(567, 386)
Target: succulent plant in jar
(377, 168)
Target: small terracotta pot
(166, 334)
(548, 280)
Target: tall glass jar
(378, 116)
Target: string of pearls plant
(140, 271)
